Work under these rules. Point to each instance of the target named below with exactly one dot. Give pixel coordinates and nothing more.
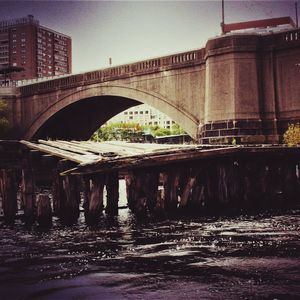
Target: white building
(144, 115)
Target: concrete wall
(251, 87)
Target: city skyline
(129, 31)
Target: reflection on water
(246, 257)
(206, 258)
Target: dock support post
(70, 207)
(142, 190)
(112, 188)
(28, 195)
(290, 190)
(134, 188)
(93, 189)
(8, 191)
(58, 194)
(130, 187)
(151, 189)
(44, 211)
(171, 184)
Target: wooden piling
(128, 184)
(186, 191)
(44, 210)
(151, 188)
(70, 207)
(93, 190)
(58, 193)
(8, 190)
(112, 189)
(170, 179)
(28, 195)
(197, 199)
(290, 190)
(142, 190)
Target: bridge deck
(92, 157)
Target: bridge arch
(93, 100)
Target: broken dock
(160, 178)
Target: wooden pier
(160, 179)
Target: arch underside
(81, 119)
(81, 113)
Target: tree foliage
(119, 131)
(132, 132)
(292, 135)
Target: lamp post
(223, 18)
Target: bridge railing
(139, 68)
(283, 39)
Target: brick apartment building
(41, 51)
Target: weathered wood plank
(58, 152)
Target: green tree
(292, 135)
(119, 131)
(162, 131)
(4, 123)
(176, 129)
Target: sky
(129, 31)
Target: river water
(241, 257)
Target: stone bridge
(242, 86)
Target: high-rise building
(40, 51)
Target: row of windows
(43, 64)
(136, 112)
(61, 69)
(59, 47)
(42, 31)
(61, 64)
(59, 58)
(23, 40)
(62, 53)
